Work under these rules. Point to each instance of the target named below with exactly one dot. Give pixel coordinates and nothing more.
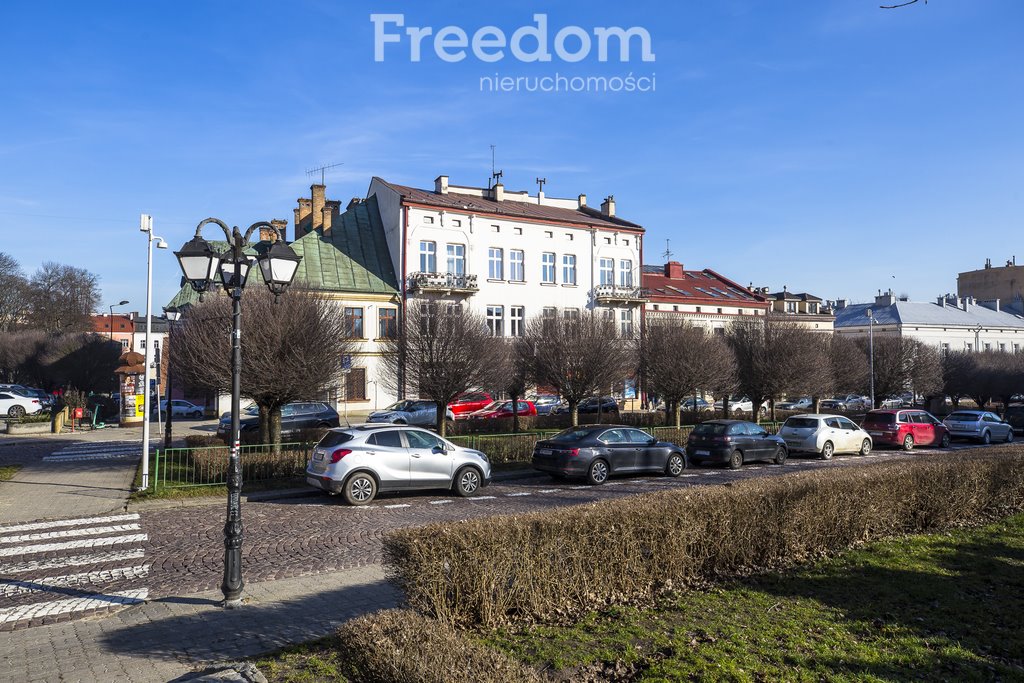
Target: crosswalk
(107, 450)
(71, 566)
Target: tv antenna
(321, 170)
(492, 161)
(540, 184)
(668, 252)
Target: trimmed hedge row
(400, 645)
(551, 566)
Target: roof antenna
(492, 164)
(540, 184)
(321, 170)
(668, 252)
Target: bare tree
(291, 350)
(849, 363)
(577, 356)
(958, 368)
(13, 293)
(902, 364)
(442, 351)
(62, 298)
(677, 358)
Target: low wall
(14, 428)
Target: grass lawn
(8, 471)
(942, 607)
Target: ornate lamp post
(173, 315)
(201, 263)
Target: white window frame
(516, 265)
(606, 271)
(547, 268)
(496, 263)
(626, 322)
(568, 269)
(456, 258)
(428, 256)
(516, 321)
(496, 320)
(625, 272)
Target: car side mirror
(440, 448)
(652, 441)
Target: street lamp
(871, 354)
(111, 318)
(173, 315)
(146, 226)
(201, 264)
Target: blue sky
(832, 147)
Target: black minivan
(294, 418)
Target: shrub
(201, 440)
(557, 564)
(209, 465)
(401, 645)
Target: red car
(468, 403)
(905, 428)
(504, 409)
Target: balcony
(442, 283)
(618, 295)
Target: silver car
(979, 425)
(359, 462)
(421, 413)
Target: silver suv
(358, 462)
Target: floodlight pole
(871, 354)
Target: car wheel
(908, 442)
(597, 473)
(865, 446)
(675, 465)
(16, 411)
(360, 489)
(945, 441)
(827, 451)
(196, 415)
(1009, 436)
(467, 481)
(780, 455)
(986, 438)
(735, 459)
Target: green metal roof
(352, 257)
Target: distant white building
(511, 256)
(949, 323)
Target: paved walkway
(171, 638)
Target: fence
(208, 465)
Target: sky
(832, 147)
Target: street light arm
(261, 224)
(222, 224)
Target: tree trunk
(679, 412)
(574, 413)
(815, 401)
(442, 418)
(725, 407)
(515, 413)
(771, 405)
(275, 428)
(264, 424)
(668, 410)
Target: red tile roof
(700, 286)
(122, 323)
(511, 207)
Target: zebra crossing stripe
(396, 505)
(69, 522)
(440, 502)
(70, 533)
(11, 588)
(73, 561)
(483, 497)
(89, 602)
(83, 543)
(93, 447)
(97, 456)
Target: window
(391, 438)
(549, 234)
(516, 271)
(496, 320)
(516, 320)
(626, 322)
(422, 440)
(568, 269)
(124, 343)
(790, 307)
(517, 231)
(547, 268)
(568, 236)
(428, 219)
(812, 308)
(354, 322)
(571, 314)
(607, 271)
(495, 263)
(428, 257)
(608, 315)
(388, 323)
(456, 259)
(719, 311)
(456, 223)
(548, 316)
(495, 228)
(626, 273)
(355, 385)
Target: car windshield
(964, 417)
(880, 419)
(400, 405)
(801, 423)
(572, 435)
(710, 428)
(331, 439)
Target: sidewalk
(172, 638)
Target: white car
(15, 405)
(180, 408)
(741, 404)
(825, 435)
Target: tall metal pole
(170, 408)
(233, 584)
(871, 356)
(147, 226)
(110, 321)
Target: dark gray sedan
(594, 452)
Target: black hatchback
(593, 452)
(733, 442)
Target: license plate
(875, 433)
(702, 452)
(318, 456)
(544, 451)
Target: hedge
(554, 565)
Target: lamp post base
(231, 604)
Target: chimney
(441, 184)
(355, 201)
(941, 301)
(319, 197)
(301, 214)
(887, 299)
(268, 235)
(582, 199)
(325, 220)
(988, 263)
(840, 304)
(499, 192)
(608, 206)
(674, 270)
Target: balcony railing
(445, 283)
(617, 294)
